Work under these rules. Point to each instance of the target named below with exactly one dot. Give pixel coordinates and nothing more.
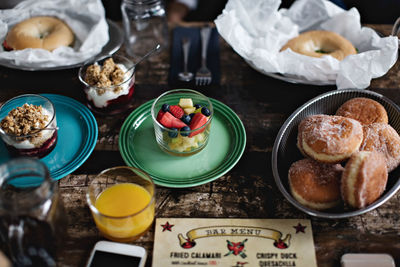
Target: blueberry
(186, 118)
(205, 111)
(185, 128)
(191, 115)
(165, 107)
(173, 132)
(197, 106)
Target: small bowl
(186, 143)
(39, 143)
(114, 99)
(285, 150)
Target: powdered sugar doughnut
(382, 138)
(329, 139)
(364, 178)
(315, 184)
(365, 110)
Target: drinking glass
(122, 201)
(145, 25)
(181, 143)
(112, 99)
(32, 219)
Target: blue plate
(77, 136)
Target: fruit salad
(186, 126)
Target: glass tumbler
(41, 138)
(192, 137)
(145, 26)
(115, 97)
(32, 220)
(122, 201)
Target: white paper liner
(257, 30)
(86, 18)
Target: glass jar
(32, 220)
(185, 141)
(108, 99)
(38, 142)
(145, 26)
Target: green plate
(138, 147)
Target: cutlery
(2, 132)
(185, 75)
(151, 52)
(203, 75)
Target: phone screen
(106, 259)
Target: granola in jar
(29, 130)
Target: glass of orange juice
(122, 201)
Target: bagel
(321, 43)
(39, 32)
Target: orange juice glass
(121, 200)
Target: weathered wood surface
(248, 190)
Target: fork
(203, 75)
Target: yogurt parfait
(182, 121)
(28, 126)
(108, 84)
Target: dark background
(371, 11)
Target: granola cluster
(24, 120)
(105, 76)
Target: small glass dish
(122, 202)
(104, 94)
(28, 125)
(179, 142)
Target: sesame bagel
(39, 32)
(321, 43)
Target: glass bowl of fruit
(182, 121)
(108, 84)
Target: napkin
(86, 18)
(194, 60)
(257, 30)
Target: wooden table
(248, 190)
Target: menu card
(233, 242)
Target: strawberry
(159, 115)
(169, 121)
(197, 121)
(177, 111)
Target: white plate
(291, 78)
(114, 43)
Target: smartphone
(367, 260)
(106, 253)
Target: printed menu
(233, 242)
